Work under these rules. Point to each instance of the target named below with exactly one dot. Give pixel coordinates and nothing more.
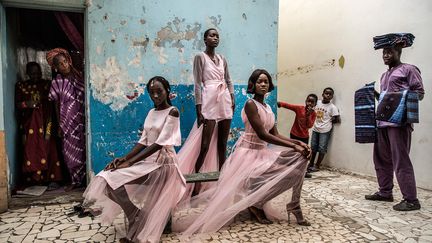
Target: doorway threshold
(48, 198)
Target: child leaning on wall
(327, 114)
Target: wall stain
(327, 64)
(215, 21)
(142, 21)
(160, 52)
(143, 42)
(123, 22)
(136, 61)
(112, 86)
(174, 33)
(341, 61)
(244, 16)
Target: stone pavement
(332, 201)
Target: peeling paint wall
(10, 71)
(128, 44)
(4, 195)
(311, 33)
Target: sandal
(259, 215)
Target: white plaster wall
(313, 32)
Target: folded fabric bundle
(364, 114)
(412, 107)
(393, 39)
(392, 107)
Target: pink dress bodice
(161, 128)
(212, 71)
(250, 138)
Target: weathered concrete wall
(314, 35)
(128, 44)
(9, 79)
(3, 160)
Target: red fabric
(302, 123)
(70, 30)
(41, 162)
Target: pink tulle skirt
(189, 153)
(252, 176)
(153, 186)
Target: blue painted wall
(128, 44)
(2, 57)
(10, 77)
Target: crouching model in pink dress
(146, 184)
(254, 173)
(205, 147)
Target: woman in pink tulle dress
(146, 184)
(253, 174)
(205, 147)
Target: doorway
(30, 33)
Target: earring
(55, 69)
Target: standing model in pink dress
(204, 149)
(253, 174)
(146, 183)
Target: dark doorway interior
(30, 34)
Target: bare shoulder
(250, 106)
(174, 112)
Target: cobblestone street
(332, 201)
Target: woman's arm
(147, 151)
(142, 155)
(255, 121)
(121, 160)
(276, 133)
(229, 82)
(198, 66)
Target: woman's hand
(232, 102)
(304, 150)
(124, 164)
(200, 119)
(115, 163)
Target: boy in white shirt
(327, 115)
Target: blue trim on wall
(115, 133)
